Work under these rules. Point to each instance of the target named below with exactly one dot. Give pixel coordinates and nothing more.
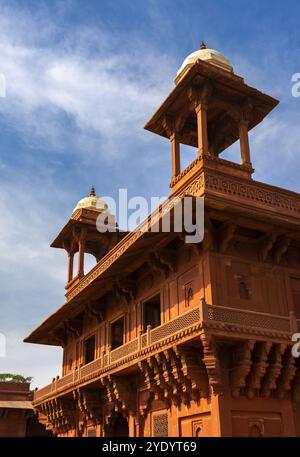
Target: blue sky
(82, 79)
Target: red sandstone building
(165, 338)
(17, 417)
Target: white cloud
(107, 94)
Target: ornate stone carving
(211, 362)
(287, 373)
(73, 327)
(200, 94)
(175, 376)
(194, 370)
(296, 387)
(269, 381)
(128, 287)
(90, 406)
(226, 234)
(241, 366)
(93, 311)
(167, 257)
(60, 414)
(121, 392)
(281, 248)
(259, 367)
(156, 265)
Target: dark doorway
(35, 429)
(89, 350)
(151, 312)
(120, 426)
(117, 333)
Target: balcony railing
(219, 317)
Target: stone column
(199, 98)
(201, 111)
(70, 265)
(175, 155)
(81, 246)
(244, 142)
(169, 124)
(131, 424)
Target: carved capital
(199, 96)
(174, 124)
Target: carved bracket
(90, 405)
(241, 366)
(281, 248)
(200, 95)
(60, 414)
(212, 364)
(226, 234)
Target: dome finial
(93, 192)
(210, 56)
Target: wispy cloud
(79, 83)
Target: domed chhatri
(207, 55)
(92, 201)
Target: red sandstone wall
(13, 424)
(174, 301)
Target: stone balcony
(217, 320)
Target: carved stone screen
(160, 425)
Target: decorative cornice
(247, 191)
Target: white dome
(93, 202)
(208, 55)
